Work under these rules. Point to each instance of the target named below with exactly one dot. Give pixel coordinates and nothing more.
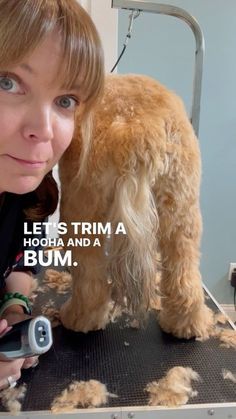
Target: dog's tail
(132, 257)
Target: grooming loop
(134, 14)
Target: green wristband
(16, 298)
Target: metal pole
(165, 9)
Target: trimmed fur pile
(174, 389)
(62, 281)
(90, 393)
(220, 318)
(11, 398)
(226, 336)
(228, 375)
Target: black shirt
(12, 220)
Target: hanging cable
(132, 16)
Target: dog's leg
(183, 313)
(88, 308)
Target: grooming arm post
(151, 7)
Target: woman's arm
(18, 282)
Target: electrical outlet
(232, 266)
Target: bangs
(24, 24)
(82, 63)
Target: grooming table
(126, 359)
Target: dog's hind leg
(88, 308)
(184, 313)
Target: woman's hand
(15, 314)
(12, 315)
(12, 368)
(4, 327)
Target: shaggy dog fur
(142, 169)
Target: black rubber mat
(126, 360)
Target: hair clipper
(27, 338)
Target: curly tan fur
(11, 398)
(174, 389)
(90, 393)
(143, 169)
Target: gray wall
(163, 47)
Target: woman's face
(36, 118)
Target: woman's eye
(8, 84)
(67, 102)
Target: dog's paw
(73, 318)
(197, 323)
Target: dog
(142, 169)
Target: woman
(51, 68)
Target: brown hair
(23, 25)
